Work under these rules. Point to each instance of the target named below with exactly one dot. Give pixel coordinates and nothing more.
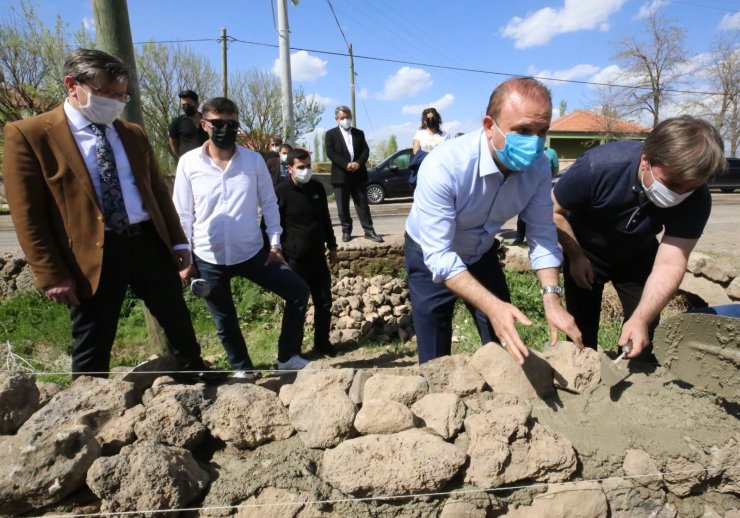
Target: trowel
(614, 371)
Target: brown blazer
(53, 204)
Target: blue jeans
(275, 277)
(433, 304)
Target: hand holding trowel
(614, 371)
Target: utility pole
(352, 85)
(113, 32)
(285, 77)
(224, 63)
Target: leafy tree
(654, 64)
(384, 148)
(563, 107)
(163, 71)
(258, 95)
(316, 145)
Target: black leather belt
(133, 230)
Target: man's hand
(181, 259)
(64, 292)
(635, 330)
(560, 320)
(186, 274)
(582, 272)
(352, 166)
(503, 317)
(274, 256)
(333, 258)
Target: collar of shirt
(208, 159)
(486, 165)
(76, 120)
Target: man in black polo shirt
(185, 132)
(609, 207)
(307, 229)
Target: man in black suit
(348, 151)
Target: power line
(338, 24)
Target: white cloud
(541, 26)
(441, 104)
(407, 82)
(580, 71)
(362, 94)
(327, 102)
(88, 23)
(651, 7)
(730, 22)
(613, 74)
(303, 67)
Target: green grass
(39, 330)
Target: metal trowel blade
(612, 371)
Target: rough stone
(194, 398)
(39, 468)
(404, 389)
(452, 374)
(274, 502)
(710, 292)
(147, 475)
(315, 378)
(286, 394)
(357, 389)
(324, 418)
(733, 290)
(119, 431)
(642, 470)
(379, 416)
(501, 373)
(444, 413)
(422, 462)
(578, 500)
(47, 390)
(166, 421)
(574, 369)
(472, 505)
(143, 375)
(517, 259)
(246, 416)
(682, 475)
(724, 462)
(702, 264)
(92, 401)
(19, 399)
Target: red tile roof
(584, 121)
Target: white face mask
(275, 149)
(345, 123)
(101, 110)
(659, 194)
(302, 175)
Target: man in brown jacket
(94, 216)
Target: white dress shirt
(347, 134)
(219, 210)
(86, 139)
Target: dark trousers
(521, 228)
(275, 277)
(143, 262)
(315, 272)
(628, 278)
(433, 304)
(356, 190)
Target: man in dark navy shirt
(185, 132)
(307, 230)
(612, 203)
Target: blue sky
(567, 39)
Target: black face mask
(432, 123)
(189, 110)
(224, 138)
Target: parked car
(390, 178)
(728, 180)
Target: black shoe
(372, 236)
(324, 350)
(208, 376)
(518, 241)
(346, 237)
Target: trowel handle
(626, 348)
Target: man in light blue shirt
(467, 189)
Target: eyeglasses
(122, 97)
(220, 123)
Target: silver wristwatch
(552, 289)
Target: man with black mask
(185, 132)
(220, 191)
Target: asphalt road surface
(722, 235)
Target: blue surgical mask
(520, 151)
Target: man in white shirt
(221, 189)
(94, 216)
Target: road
(721, 237)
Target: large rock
(147, 475)
(444, 413)
(19, 399)
(517, 259)
(119, 431)
(702, 264)
(245, 416)
(724, 461)
(507, 446)
(452, 374)
(311, 380)
(92, 401)
(421, 462)
(642, 469)
(579, 500)
(574, 369)
(166, 421)
(404, 389)
(357, 390)
(274, 502)
(682, 475)
(710, 292)
(378, 416)
(324, 418)
(41, 468)
(467, 505)
(733, 290)
(531, 380)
